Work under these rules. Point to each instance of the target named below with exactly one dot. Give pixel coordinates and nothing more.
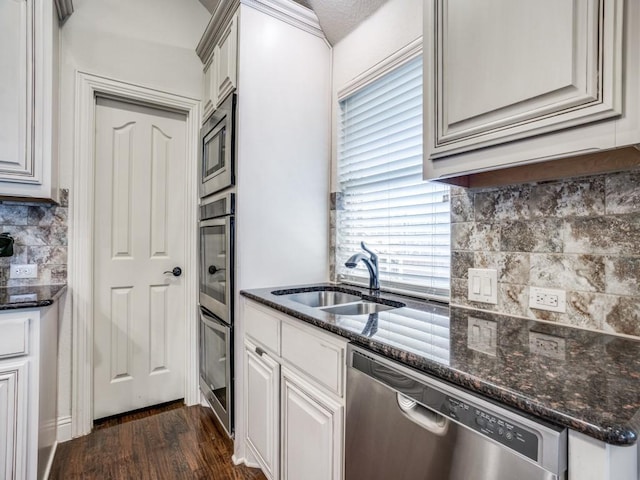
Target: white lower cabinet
(13, 425)
(293, 396)
(312, 425)
(28, 392)
(262, 407)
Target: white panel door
(262, 408)
(311, 432)
(139, 228)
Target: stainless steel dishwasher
(403, 425)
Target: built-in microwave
(217, 149)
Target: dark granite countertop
(12, 298)
(592, 387)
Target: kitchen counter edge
(621, 435)
(45, 295)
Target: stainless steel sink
(324, 298)
(360, 308)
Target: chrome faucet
(370, 262)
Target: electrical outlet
(24, 271)
(547, 345)
(548, 299)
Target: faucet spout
(371, 262)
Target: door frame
(88, 88)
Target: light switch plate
(482, 335)
(483, 285)
(23, 271)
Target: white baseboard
(240, 461)
(47, 471)
(64, 429)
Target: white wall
(396, 24)
(283, 166)
(146, 42)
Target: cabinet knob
(260, 351)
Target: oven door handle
(215, 222)
(209, 322)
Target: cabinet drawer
(262, 326)
(14, 337)
(321, 359)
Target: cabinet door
(17, 160)
(13, 420)
(28, 99)
(226, 52)
(311, 432)
(262, 407)
(499, 70)
(210, 88)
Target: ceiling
(337, 17)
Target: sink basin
(360, 308)
(323, 298)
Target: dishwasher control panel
(502, 431)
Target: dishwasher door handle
(423, 416)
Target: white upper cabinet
(28, 61)
(16, 96)
(209, 89)
(509, 83)
(219, 46)
(226, 54)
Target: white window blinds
(385, 201)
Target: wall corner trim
(284, 10)
(289, 12)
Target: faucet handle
(369, 251)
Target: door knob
(213, 269)
(176, 272)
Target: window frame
(395, 61)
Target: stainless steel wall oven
(216, 304)
(216, 367)
(216, 254)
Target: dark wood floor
(166, 443)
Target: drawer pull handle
(260, 351)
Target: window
(385, 202)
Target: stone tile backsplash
(581, 235)
(40, 233)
